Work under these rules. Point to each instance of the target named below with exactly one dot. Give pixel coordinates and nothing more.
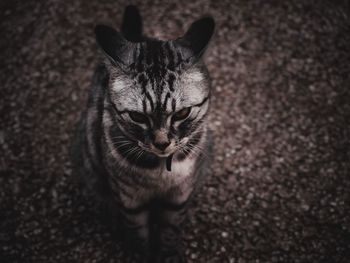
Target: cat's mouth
(170, 150)
(155, 151)
(168, 154)
(164, 154)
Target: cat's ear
(114, 45)
(131, 27)
(196, 39)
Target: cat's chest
(180, 170)
(160, 182)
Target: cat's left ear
(193, 44)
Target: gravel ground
(279, 186)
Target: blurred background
(278, 190)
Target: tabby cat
(143, 140)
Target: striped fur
(121, 158)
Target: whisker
(200, 150)
(122, 144)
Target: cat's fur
(147, 170)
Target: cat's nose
(161, 145)
(161, 140)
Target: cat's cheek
(138, 132)
(184, 128)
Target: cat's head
(159, 90)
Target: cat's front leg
(136, 232)
(169, 246)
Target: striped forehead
(184, 90)
(146, 96)
(158, 94)
(157, 83)
(155, 58)
(156, 71)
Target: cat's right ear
(114, 45)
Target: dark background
(279, 186)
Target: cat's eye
(182, 114)
(138, 117)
